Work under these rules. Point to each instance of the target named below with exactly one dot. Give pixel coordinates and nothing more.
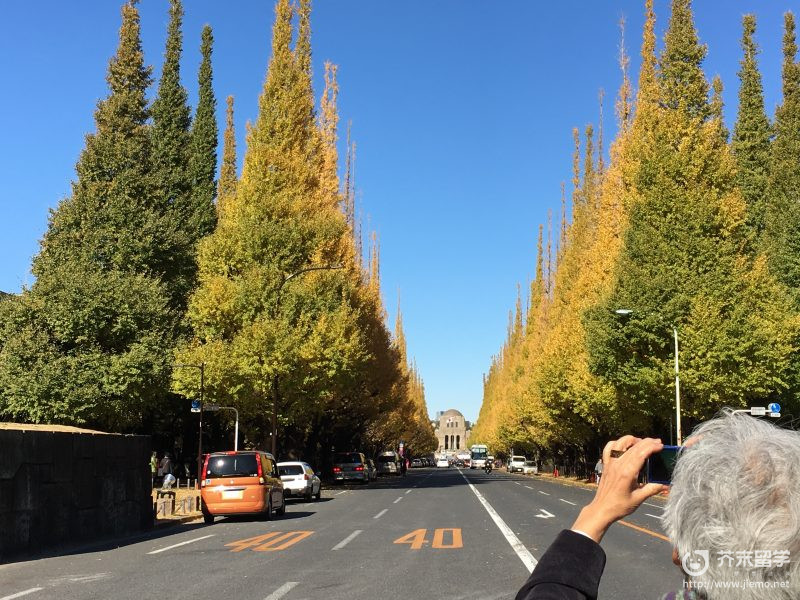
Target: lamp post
(202, 367)
(678, 436)
(275, 379)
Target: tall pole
(678, 436)
(200, 443)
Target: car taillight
(337, 470)
(260, 471)
(204, 472)
(359, 468)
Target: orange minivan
(241, 482)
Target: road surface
(438, 533)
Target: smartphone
(661, 465)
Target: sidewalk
(186, 506)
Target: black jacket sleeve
(569, 570)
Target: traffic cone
(555, 471)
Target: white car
(516, 464)
(442, 462)
(299, 479)
(530, 468)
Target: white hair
(736, 489)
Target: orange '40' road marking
(417, 539)
(269, 542)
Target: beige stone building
(452, 430)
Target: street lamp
(275, 380)
(678, 436)
(202, 367)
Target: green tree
(203, 150)
(89, 342)
(227, 174)
(751, 134)
(782, 235)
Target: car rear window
(290, 469)
(518, 459)
(347, 457)
(232, 465)
(386, 459)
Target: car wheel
(307, 496)
(268, 513)
(319, 492)
(282, 510)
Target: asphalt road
(445, 534)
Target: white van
(516, 464)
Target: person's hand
(619, 493)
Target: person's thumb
(647, 491)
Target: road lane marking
(654, 516)
(342, 492)
(456, 541)
(398, 500)
(545, 493)
(282, 591)
(518, 483)
(174, 546)
(545, 514)
(568, 502)
(524, 555)
(529, 487)
(347, 540)
(416, 539)
(21, 594)
(380, 514)
(408, 491)
(289, 539)
(637, 528)
(645, 503)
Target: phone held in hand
(661, 464)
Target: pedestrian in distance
(153, 468)
(598, 470)
(165, 467)
(734, 490)
(403, 466)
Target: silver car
(299, 479)
(350, 466)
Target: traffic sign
(758, 411)
(774, 415)
(196, 406)
(774, 407)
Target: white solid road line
(380, 514)
(21, 594)
(176, 545)
(398, 500)
(524, 555)
(408, 491)
(568, 502)
(342, 492)
(282, 591)
(347, 540)
(654, 516)
(545, 493)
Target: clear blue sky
(462, 111)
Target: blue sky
(462, 112)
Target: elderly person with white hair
(733, 515)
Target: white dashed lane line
(567, 501)
(654, 516)
(380, 514)
(347, 540)
(177, 545)
(398, 500)
(282, 591)
(545, 493)
(21, 594)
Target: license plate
(232, 494)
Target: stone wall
(65, 485)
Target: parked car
(350, 466)
(241, 482)
(442, 462)
(373, 470)
(389, 463)
(529, 468)
(515, 464)
(416, 463)
(299, 479)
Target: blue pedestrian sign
(774, 407)
(195, 406)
